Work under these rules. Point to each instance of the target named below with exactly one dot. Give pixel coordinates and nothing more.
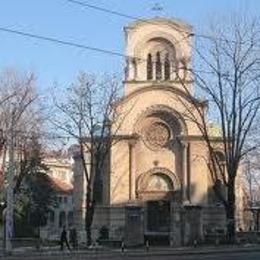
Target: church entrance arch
(157, 188)
(157, 184)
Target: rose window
(157, 135)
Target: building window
(51, 217)
(158, 66)
(62, 219)
(167, 67)
(70, 218)
(220, 166)
(149, 67)
(65, 199)
(218, 188)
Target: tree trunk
(90, 206)
(230, 213)
(257, 220)
(88, 235)
(87, 220)
(88, 223)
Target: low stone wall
(213, 219)
(251, 237)
(32, 242)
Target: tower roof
(176, 23)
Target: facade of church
(157, 184)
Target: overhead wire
(109, 11)
(65, 42)
(154, 22)
(96, 49)
(139, 19)
(83, 46)
(59, 41)
(101, 50)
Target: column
(173, 70)
(176, 234)
(132, 170)
(56, 220)
(131, 73)
(154, 66)
(163, 67)
(188, 170)
(134, 233)
(185, 188)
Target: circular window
(157, 135)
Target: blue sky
(63, 20)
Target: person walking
(63, 238)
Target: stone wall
(214, 218)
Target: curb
(193, 252)
(132, 253)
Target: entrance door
(158, 222)
(158, 216)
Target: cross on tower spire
(157, 8)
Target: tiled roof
(61, 186)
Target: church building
(157, 185)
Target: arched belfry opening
(154, 59)
(160, 59)
(163, 67)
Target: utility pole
(10, 188)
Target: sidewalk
(29, 253)
(164, 251)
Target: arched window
(149, 67)
(167, 67)
(158, 66)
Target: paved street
(217, 256)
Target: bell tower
(158, 52)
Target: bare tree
(19, 114)
(227, 73)
(251, 183)
(86, 114)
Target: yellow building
(61, 214)
(157, 186)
